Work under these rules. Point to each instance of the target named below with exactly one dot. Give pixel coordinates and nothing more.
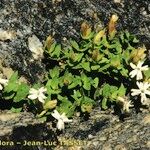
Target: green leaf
(121, 91)
(114, 95)
(147, 74)
(135, 40)
(122, 37)
(96, 82)
(87, 86)
(118, 48)
(66, 107)
(85, 46)
(104, 103)
(43, 118)
(77, 96)
(126, 56)
(86, 82)
(78, 57)
(124, 72)
(54, 83)
(86, 66)
(96, 67)
(62, 98)
(12, 84)
(87, 104)
(73, 85)
(76, 81)
(74, 44)
(105, 91)
(86, 108)
(56, 52)
(16, 110)
(104, 68)
(22, 92)
(51, 49)
(54, 72)
(42, 113)
(127, 34)
(14, 77)
(9, 95)
(52, 87)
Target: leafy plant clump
(105, 68)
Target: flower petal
(133, 73)
(65, 119)
(139, 75)
(135, 92)
(56, 115)
(60, 124)
(147, 92)
(42, 96)
(33, 91)
(41, 99)
(133, 66)
(140, 63)
(144, 68)
(143, 98)
(140, 85)
(32, 96)
(1, 87)
(42, 90)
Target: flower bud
(138, 54)
(112, 25)
(85, 30)
(96, 55)
(49, 41)
(98, 36)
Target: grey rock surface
(104, 131)
(16, 128)
(62, 18)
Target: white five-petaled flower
(38, 94)
(137, 70)
(62, 119)
(126, 104)
(142, 91)
(3, 82)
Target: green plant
(98, 68)
(95, 68)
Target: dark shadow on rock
(43, 137)
(98, 126)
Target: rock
(120, 147)
(6, 35)
(117, 1)
(22, 19)
(111, 134)
(36, 47)
(18, 129)
(146, 119)
(8, 116)
(148, 144)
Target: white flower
(125, 104)
(3, 82)
(137, 70)
(62, 119)
(38, 94)
(142, 91)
